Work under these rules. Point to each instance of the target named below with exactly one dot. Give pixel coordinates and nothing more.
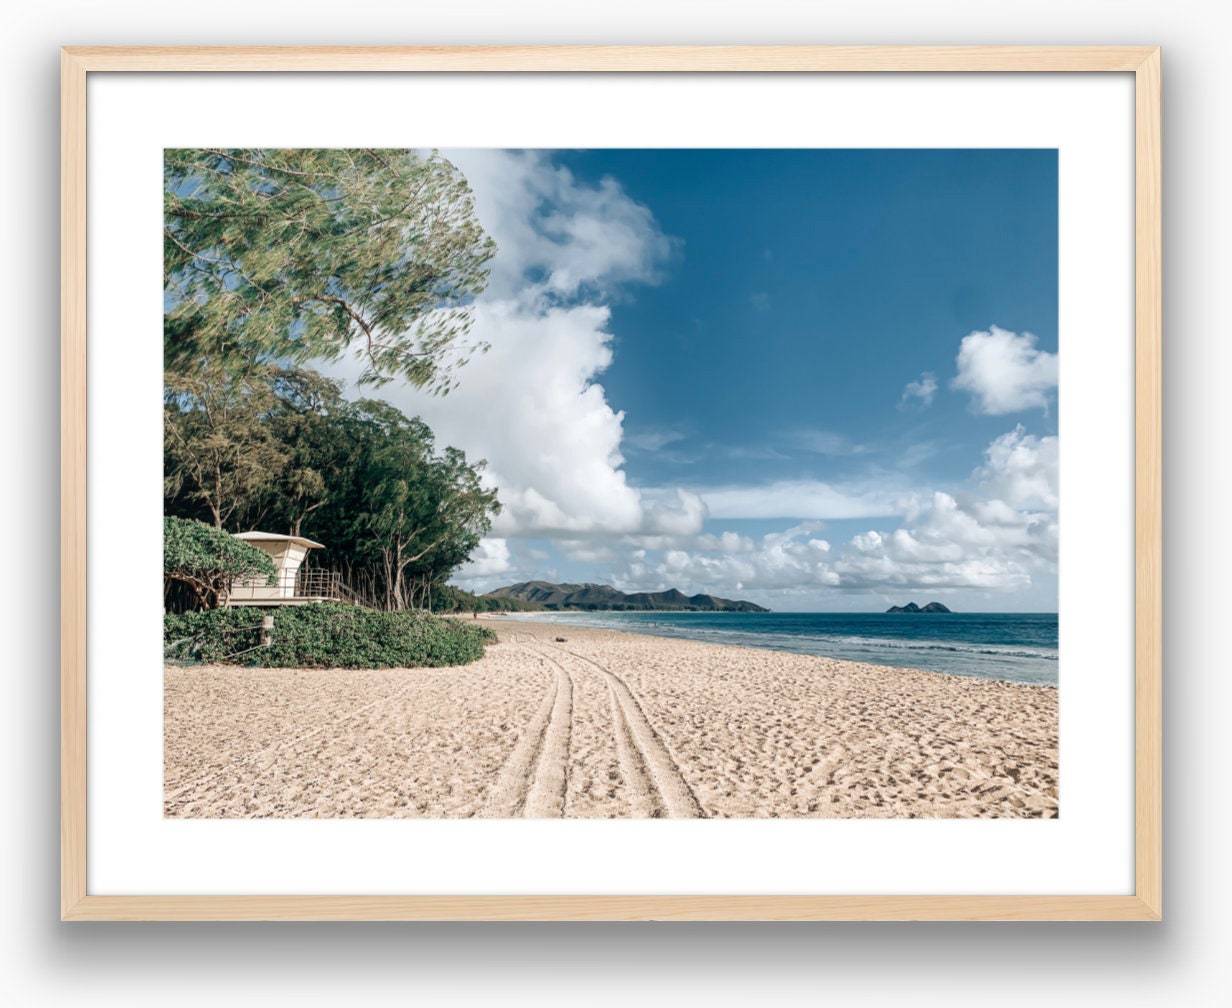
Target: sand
(606, 724)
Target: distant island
(593, 597)
(911, 607)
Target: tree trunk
(216, 501)
(389, 579)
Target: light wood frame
(1142, 61)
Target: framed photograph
(621, 483)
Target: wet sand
(606, 724)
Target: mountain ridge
(595, 597)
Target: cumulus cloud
(672, 512)
(498, 561)
(1005, 372)
(777, 560)
(558, 237)
(726, 542)
(992, 539)
(532, 405)
(953, 544)
(922, 390)
(1022, 470)
(995, 539)
(489, 559)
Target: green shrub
(323, 635)
(209, 560)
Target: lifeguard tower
(292, 586)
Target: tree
(425, 512)
(464, 512)
(218, 450)
(279, 448)
(209, 561)
(293, 255)
(307, 421)
(276, 257)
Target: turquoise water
(1016, 647)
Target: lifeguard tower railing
(317, 583)
(293, 588)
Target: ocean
(1016, 647)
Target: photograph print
(612, 483)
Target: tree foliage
(273, 258)
(294, 255)
(425, 512)
(218, 448)
(396, 515)
(209, 561)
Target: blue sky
(820, 380)
(810, 286)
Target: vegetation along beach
(627, 484)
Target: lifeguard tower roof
(255, 537)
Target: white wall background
(1180, 961)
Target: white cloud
(1005, 372)
(672, 512)
(498, 561)
(944, 541)
(924, 390)
(1022, 470)
(953, 544)
(558, 237)
(798, 499)
(727, 542)
(532, 405)
(780, 559)
(489, 559)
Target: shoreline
(529, 619)
(576, 722)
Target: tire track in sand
(649, 767)
(532, 782)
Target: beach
(563, 721)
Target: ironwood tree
(303, 254)
(219, 452)
(280, 448)
(275, 258)
(425, 512)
